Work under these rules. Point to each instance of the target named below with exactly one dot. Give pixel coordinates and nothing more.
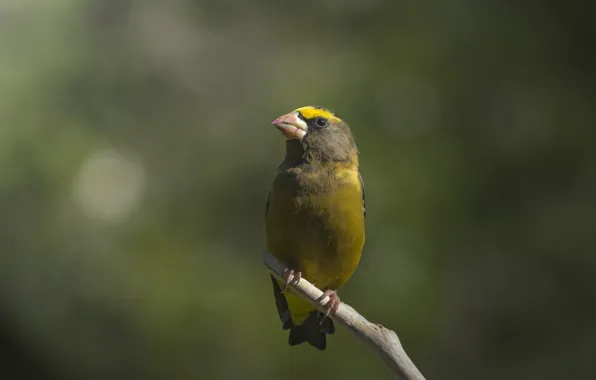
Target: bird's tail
(312, 330)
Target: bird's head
(320, 132)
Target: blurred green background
(136, 154)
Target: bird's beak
(291, 126)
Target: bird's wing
(280, 300)
(282, 306)
(363, 195)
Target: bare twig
(383, 341)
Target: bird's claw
(290, 275)
(332, 305)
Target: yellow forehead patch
(310, 112)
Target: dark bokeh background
(136, 153)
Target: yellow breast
(320, 233)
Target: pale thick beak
(291, 126)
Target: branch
(383, 341)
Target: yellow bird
(314, 219)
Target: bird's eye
(321, 121)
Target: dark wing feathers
(280, 300)
(282, 306)
(267, 205)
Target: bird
(315, 218)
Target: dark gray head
(322, 135)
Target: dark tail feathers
(312, 331)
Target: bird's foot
(290, 275)
(332, 305)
